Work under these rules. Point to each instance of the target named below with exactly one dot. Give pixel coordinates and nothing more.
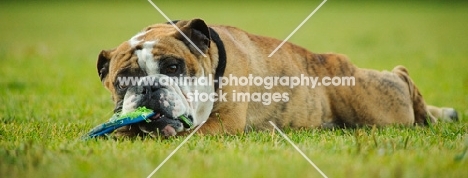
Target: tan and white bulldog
(161, 54)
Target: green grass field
(50, 93)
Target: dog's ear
(103, 63)
(198, 32)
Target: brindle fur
(378, 98)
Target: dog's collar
(221, 55)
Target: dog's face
(143, 71)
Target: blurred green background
(50, 92)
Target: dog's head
(148, 70)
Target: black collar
(221, 57)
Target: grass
(51, 95)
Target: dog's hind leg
(421, 114)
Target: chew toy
(118, 120)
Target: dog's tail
(421, 114)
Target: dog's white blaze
(152, 66)
(145, 54)
(146, 59)
(134, 41)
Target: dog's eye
(171, 66)
(171, 69)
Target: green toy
(118, 120)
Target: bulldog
(158, 58)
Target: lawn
(51, 94)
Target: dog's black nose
(149, 89)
